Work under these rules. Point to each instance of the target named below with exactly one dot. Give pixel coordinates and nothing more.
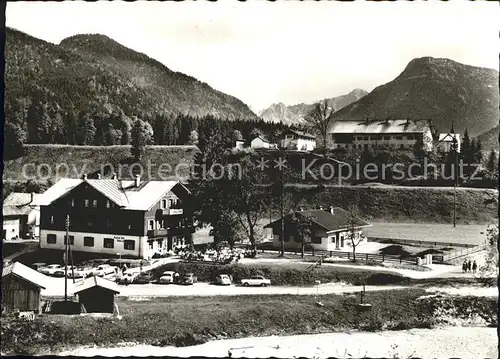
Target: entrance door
(337, 241)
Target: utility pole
(66, 261)
(282, 237)
(455, 181)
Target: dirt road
(459, 342)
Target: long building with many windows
(111, 216)
(389, 133)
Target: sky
(268, 52)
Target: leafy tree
(193, 137)
(352, 235)
(245, 194)
(490, 267)
(492, 163)
(319, 118)
(141, 136)
(14, 138)
(86, 131)
(236, 135)
(302, 228)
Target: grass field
(42, 162)
(188, 321)
(429, 232)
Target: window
(150, 245)
(109, 243)
(399, 137)
(86, 203)
(410, 137)
(51, 238)
(170, 202)
(110, 223)
(163, 203)
(129, 226)
(161, 224)
(360, 138)
(94, 203)
(52, 220)
(71, 240)
(151, 224)
(107, 204)
(129, 245)
(88, 241)
(366, 138)
(316, 239)
(72, 202)
(387, 138)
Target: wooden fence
(462, 252)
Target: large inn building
(397, 133)
(112, 216)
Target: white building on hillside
(298, 140)
(402, 133)
(261, 142)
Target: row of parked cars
(170, 277)
(57, 270)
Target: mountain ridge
(88, 70)
(294, 114)
(434, 88)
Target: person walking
(474, 267)
(464, 266)
(141, 267)
(469, 266)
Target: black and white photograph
(250, 179)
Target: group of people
(469, 266)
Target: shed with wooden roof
(21, 287)
(97, 295)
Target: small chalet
(96, 295)
(261, 142)
(329, 230)
(299, 140)
(446, 140)
(21, 216)
(21, 287)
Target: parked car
(167, 277)
(103, 270)
(256, 280)
(224, 279)
(78, 272)
(143, 278)
(127, 278)
(189, 278)
(37, 266)
(51, 269)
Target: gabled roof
(124, 193)
(19, 204)
(263, 138)
(324, 218)
(20, 199)
(448, 137)
(380, 126)
(24, 272)
(92, 282)
(302, 134)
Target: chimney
(98, 176)
(113, 176)
(331, 209)
(84, 177)
(137, 180)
